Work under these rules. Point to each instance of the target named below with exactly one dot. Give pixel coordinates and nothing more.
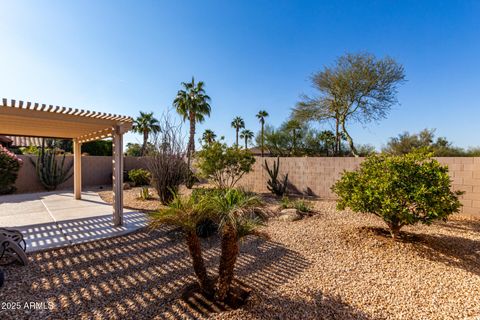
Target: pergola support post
(77, 169)
(117, 176)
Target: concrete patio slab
(54, 219)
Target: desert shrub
(9, 167)
(140, 177)
(166, 162)
(276, 185)
(50, 171)
(402, 190)
(224, 165)
(301, 205)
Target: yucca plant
(186, 213)
(234, 211)
(274, 184)
(51, 172)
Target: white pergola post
(77, 169)
(117, 178)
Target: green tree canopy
(357, 88)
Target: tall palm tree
(247, 135)
(186, 214)
(145, 124)
(238, 124)
(192, 103)
(208, 136)
(261, 115)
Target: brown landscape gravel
(334, 265)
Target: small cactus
(274, 185)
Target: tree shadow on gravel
(463, 225)
(139, 275)
(453, 251)
(317, 306)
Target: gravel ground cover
(334, 265)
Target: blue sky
(126, 56)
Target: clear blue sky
(126, 56)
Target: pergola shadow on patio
(55, 219)
(19, 118)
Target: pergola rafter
(19, 118)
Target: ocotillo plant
(274, 184)
(51, 173)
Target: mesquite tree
(358, 87)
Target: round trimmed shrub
(402, 190)
(140, 177)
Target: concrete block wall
(96, 170)
(315, 176)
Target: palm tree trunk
(195, 249)
(262, 138)
(191, 140)
(246, 143)
(228, 258)
(236, 131)
(145, 141)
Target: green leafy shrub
(224, 165)
(140, 177)
(274, 184)
(51, 172)
(9, 166)
(402, 190)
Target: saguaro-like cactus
(274, 184)
(50, 172)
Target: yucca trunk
(228, 258)
(195, 249)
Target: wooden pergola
(41, 120)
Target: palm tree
(186, 214)
(208, 136)
(247, 135)
(234, 213)
(145, 124)
(261, 115)
(238, 124)
(192, 103)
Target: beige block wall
(315, 176)
(96, 171)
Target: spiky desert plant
(274, 184)
(187, 213)
(50, 171)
